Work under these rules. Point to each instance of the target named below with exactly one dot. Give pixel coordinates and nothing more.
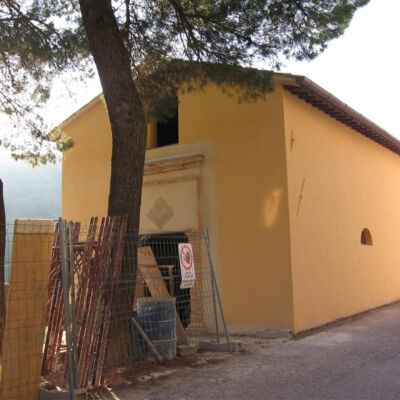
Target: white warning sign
(187, 265)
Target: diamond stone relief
(160, 213)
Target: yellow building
(300, 194)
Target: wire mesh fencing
(84, 300)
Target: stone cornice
(172, 164)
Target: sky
(361, 68)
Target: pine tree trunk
(125, 109)
(128, 128)
(2, 254)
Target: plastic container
(158, 320)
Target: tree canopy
(40, 39)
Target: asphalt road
(359, 359)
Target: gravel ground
(355, 359)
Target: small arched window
(366, 237)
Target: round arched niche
(366, 238)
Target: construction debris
(186, 350)
(231, 347)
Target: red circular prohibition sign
(186, 257)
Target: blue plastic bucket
(158, 320)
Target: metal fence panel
(120, 300)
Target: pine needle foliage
(39, 40)
(171, 43)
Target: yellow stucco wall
(285, 191)
(242, 193)
(339, 183)
(86, 167)
(251, 208)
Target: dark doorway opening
(165, 250)
(167, 130)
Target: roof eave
(83, 110)
(314, 94)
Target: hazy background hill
(33, 193)
(30, 192)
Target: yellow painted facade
(285, 191)
(349, 183)
(86, 169)
(250, 222)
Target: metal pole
(147, 339)
(216, 289)
(64, 274)
(73, 305)
(215, 308)
(212, 288)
